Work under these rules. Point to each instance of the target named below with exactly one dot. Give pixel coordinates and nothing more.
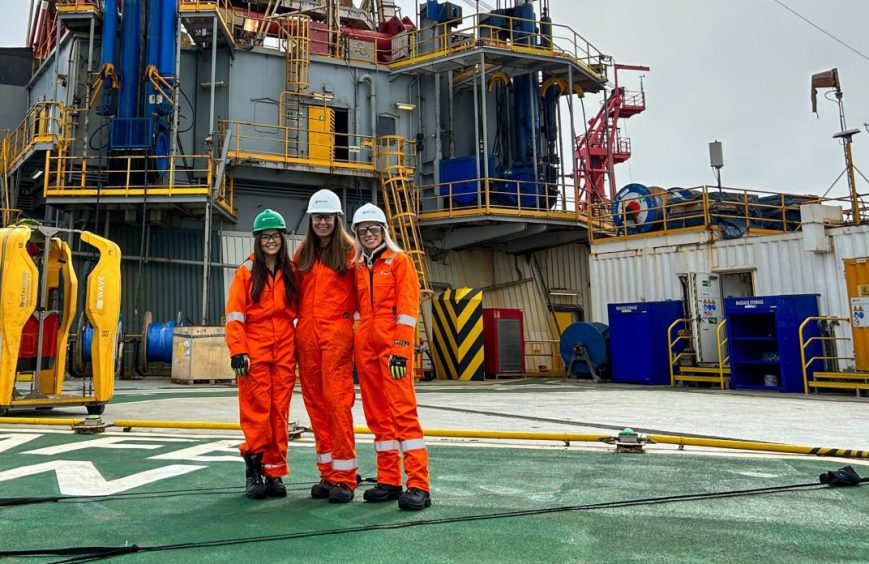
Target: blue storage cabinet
(763, 336)
(638, 341)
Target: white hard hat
(369, 212)
(325, 201)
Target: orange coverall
(324, 347)
(264, 331)
(388, 296)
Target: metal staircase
(401, 204)
(298, 52)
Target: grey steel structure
(274, 99)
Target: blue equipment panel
(763, 335)
(461, 173)
(638, 340)
(130, 133)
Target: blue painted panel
(638, 340)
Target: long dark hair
(261, 273)
(333, 255)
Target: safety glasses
(374, 230)
(323, 217)
(269, 237)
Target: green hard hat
(269, 219)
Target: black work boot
(320, 490)
(275, 487)
(340, 493)
(382, 492)
(254, 487)
(414, 499)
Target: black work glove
(845, 476)
(397, 366)
(240, 364)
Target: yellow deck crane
(38, 294)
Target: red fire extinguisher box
(503, 342)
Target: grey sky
(733, 70)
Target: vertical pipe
(129, 98)
(476, 151)
(108, 48)
(213, 74)
(206, 258)
(452, 116)
(573, 147)
(175, 113)
(87, 81)
(485, 120)
(153, 40)
(560, 180)
(56, 57)
(438, 152)
(849, 162)
(535, 124)
(483, 94)
(420, 127)
(168, 37)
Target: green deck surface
(815, 525)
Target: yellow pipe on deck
(479, 434)
(204, 425)
(38, 421)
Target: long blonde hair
(390, 244)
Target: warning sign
(860, 312)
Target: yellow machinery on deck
(38, 283)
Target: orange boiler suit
(264, 331)
(388, 296)
(324, 346)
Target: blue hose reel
(156, 343)
(637, 209)
(585, 349)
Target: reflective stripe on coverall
(388, 297)
(264, 331)
(324, 346)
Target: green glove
(240, 364)
(397, 366)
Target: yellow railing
(255, 142)
(222, 8)
(671, 346)
(45, 122)
(488, 30)
(722, 367)
(134, 176)
(65, 6)
(396, 154)
(734, 212)
(546, 349)
(497, 196)
(723, 355)
(823, 378)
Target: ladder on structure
(401, 204)
(297, 34)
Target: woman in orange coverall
(388, 296)
(327, 302)
(261, 339)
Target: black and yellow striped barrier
(458, 334)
